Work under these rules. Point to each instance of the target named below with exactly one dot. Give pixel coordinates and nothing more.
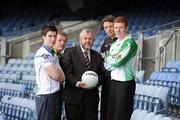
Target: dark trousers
(48, 106)
(120, 102)
(104, 96)
(87, 109)
(61, 101)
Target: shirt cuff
(77, 84)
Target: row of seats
(12, 89)
(99, 39)
(173, 97)
(17, 69)
(26, 61)
(10, 77)
(173, 64)
(136, 23)
(168, 78)
(17, 91)
(140, 114)
(153, 91)
(26, 80)
(20, 72)
(15, 108)
(16, 25)
(163, 76)
(149, 103)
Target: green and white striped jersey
(120, 59)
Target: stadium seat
(141, 115)
(140, 77)
(149, 116)
(154, 76)
(158, 117)
(135, 113)
(18, 108)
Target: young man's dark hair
(48, 28)
(108, 18)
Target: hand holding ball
(90, 78)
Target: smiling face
(120, 30)
(50, 38)
(121, 27)
(61, 41)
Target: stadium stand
(156, 98)
(159, 94)
(17, 89)
(18, 108)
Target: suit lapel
(93, 60)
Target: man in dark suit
(81, 103)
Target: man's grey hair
(86, 30)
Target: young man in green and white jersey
(119, 61)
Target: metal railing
(159, 60)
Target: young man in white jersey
(49, 75)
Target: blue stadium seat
(141, 115)
(154, 76)
(177, 65)
(135, 113)
(178, 78)
(171, 64)
(166, 118)
(163, 76)
(158, 117)
(150, 116)
(172, 77)
(18, 108)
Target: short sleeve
(47, 60)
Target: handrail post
(164, 57)
(174, 46)
(158, 52)
(3, 51)
(140, 46)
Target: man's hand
(83, 85)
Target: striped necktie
(86, 59)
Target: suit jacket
(74, 66)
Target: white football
(90, 78)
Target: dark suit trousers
(87, 109)
(104, 96)
(61, 101)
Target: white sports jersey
(43, 58)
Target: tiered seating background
(159, 97)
